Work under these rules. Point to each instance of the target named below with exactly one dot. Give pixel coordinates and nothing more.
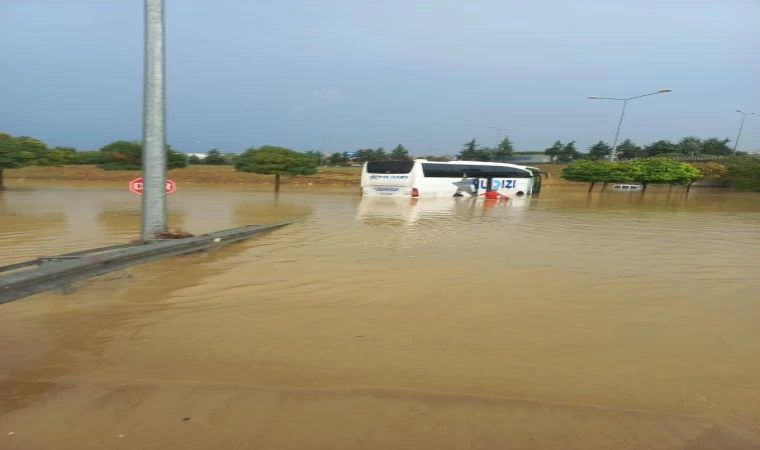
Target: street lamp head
(665, 90)
(594, 97)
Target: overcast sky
(430, 74)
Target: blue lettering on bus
(497, 184)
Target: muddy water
(569, 321)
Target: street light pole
(498, 134)
(154, 123)
(622, 114)
(617, 133)
(744, 117)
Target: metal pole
(744, 117)
(154, 123)
(617, 134)
(736, 143)
(622, 114)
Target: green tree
(708, 170)
(505, 149)
(214, 158)
(36, 151)
(380, 154)
(127, 155)
(230, 157)
(660, 148)
(318, 156)
(628, 150)
(689, 146)
(65, 155)
(277, 161)
(568, 153)
(663, 171)
(337, 159)
(174, 159)
(400, 153)
(14, 154)
(194, 160)
(473, 152)
(368, 154)
(364, 154)
(89, 157)
(599, 151)
(594, 172)
(744, 173)
(555, 150)
(715, 146)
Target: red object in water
(415, 193)
(492, 195)
(136, 186)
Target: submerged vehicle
(423, 178)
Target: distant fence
(684, 158)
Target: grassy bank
(327, 176)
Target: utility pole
(154, 123)
(741, 126)
(625, 101)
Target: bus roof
(477, 163)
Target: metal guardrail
(60, 271)
(37, 262)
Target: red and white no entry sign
(136, 186)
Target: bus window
(390, 167)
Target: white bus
(423, 178)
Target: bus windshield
(390, 166)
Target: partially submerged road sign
(136, 186)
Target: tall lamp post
(498, 134)
(622, 114)
(744, 117)
(154, 123)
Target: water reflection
(26, 221)
(270, 208)
(408, 212)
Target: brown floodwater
(568, 321)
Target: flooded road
(613, 321)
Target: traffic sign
(136, 186)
